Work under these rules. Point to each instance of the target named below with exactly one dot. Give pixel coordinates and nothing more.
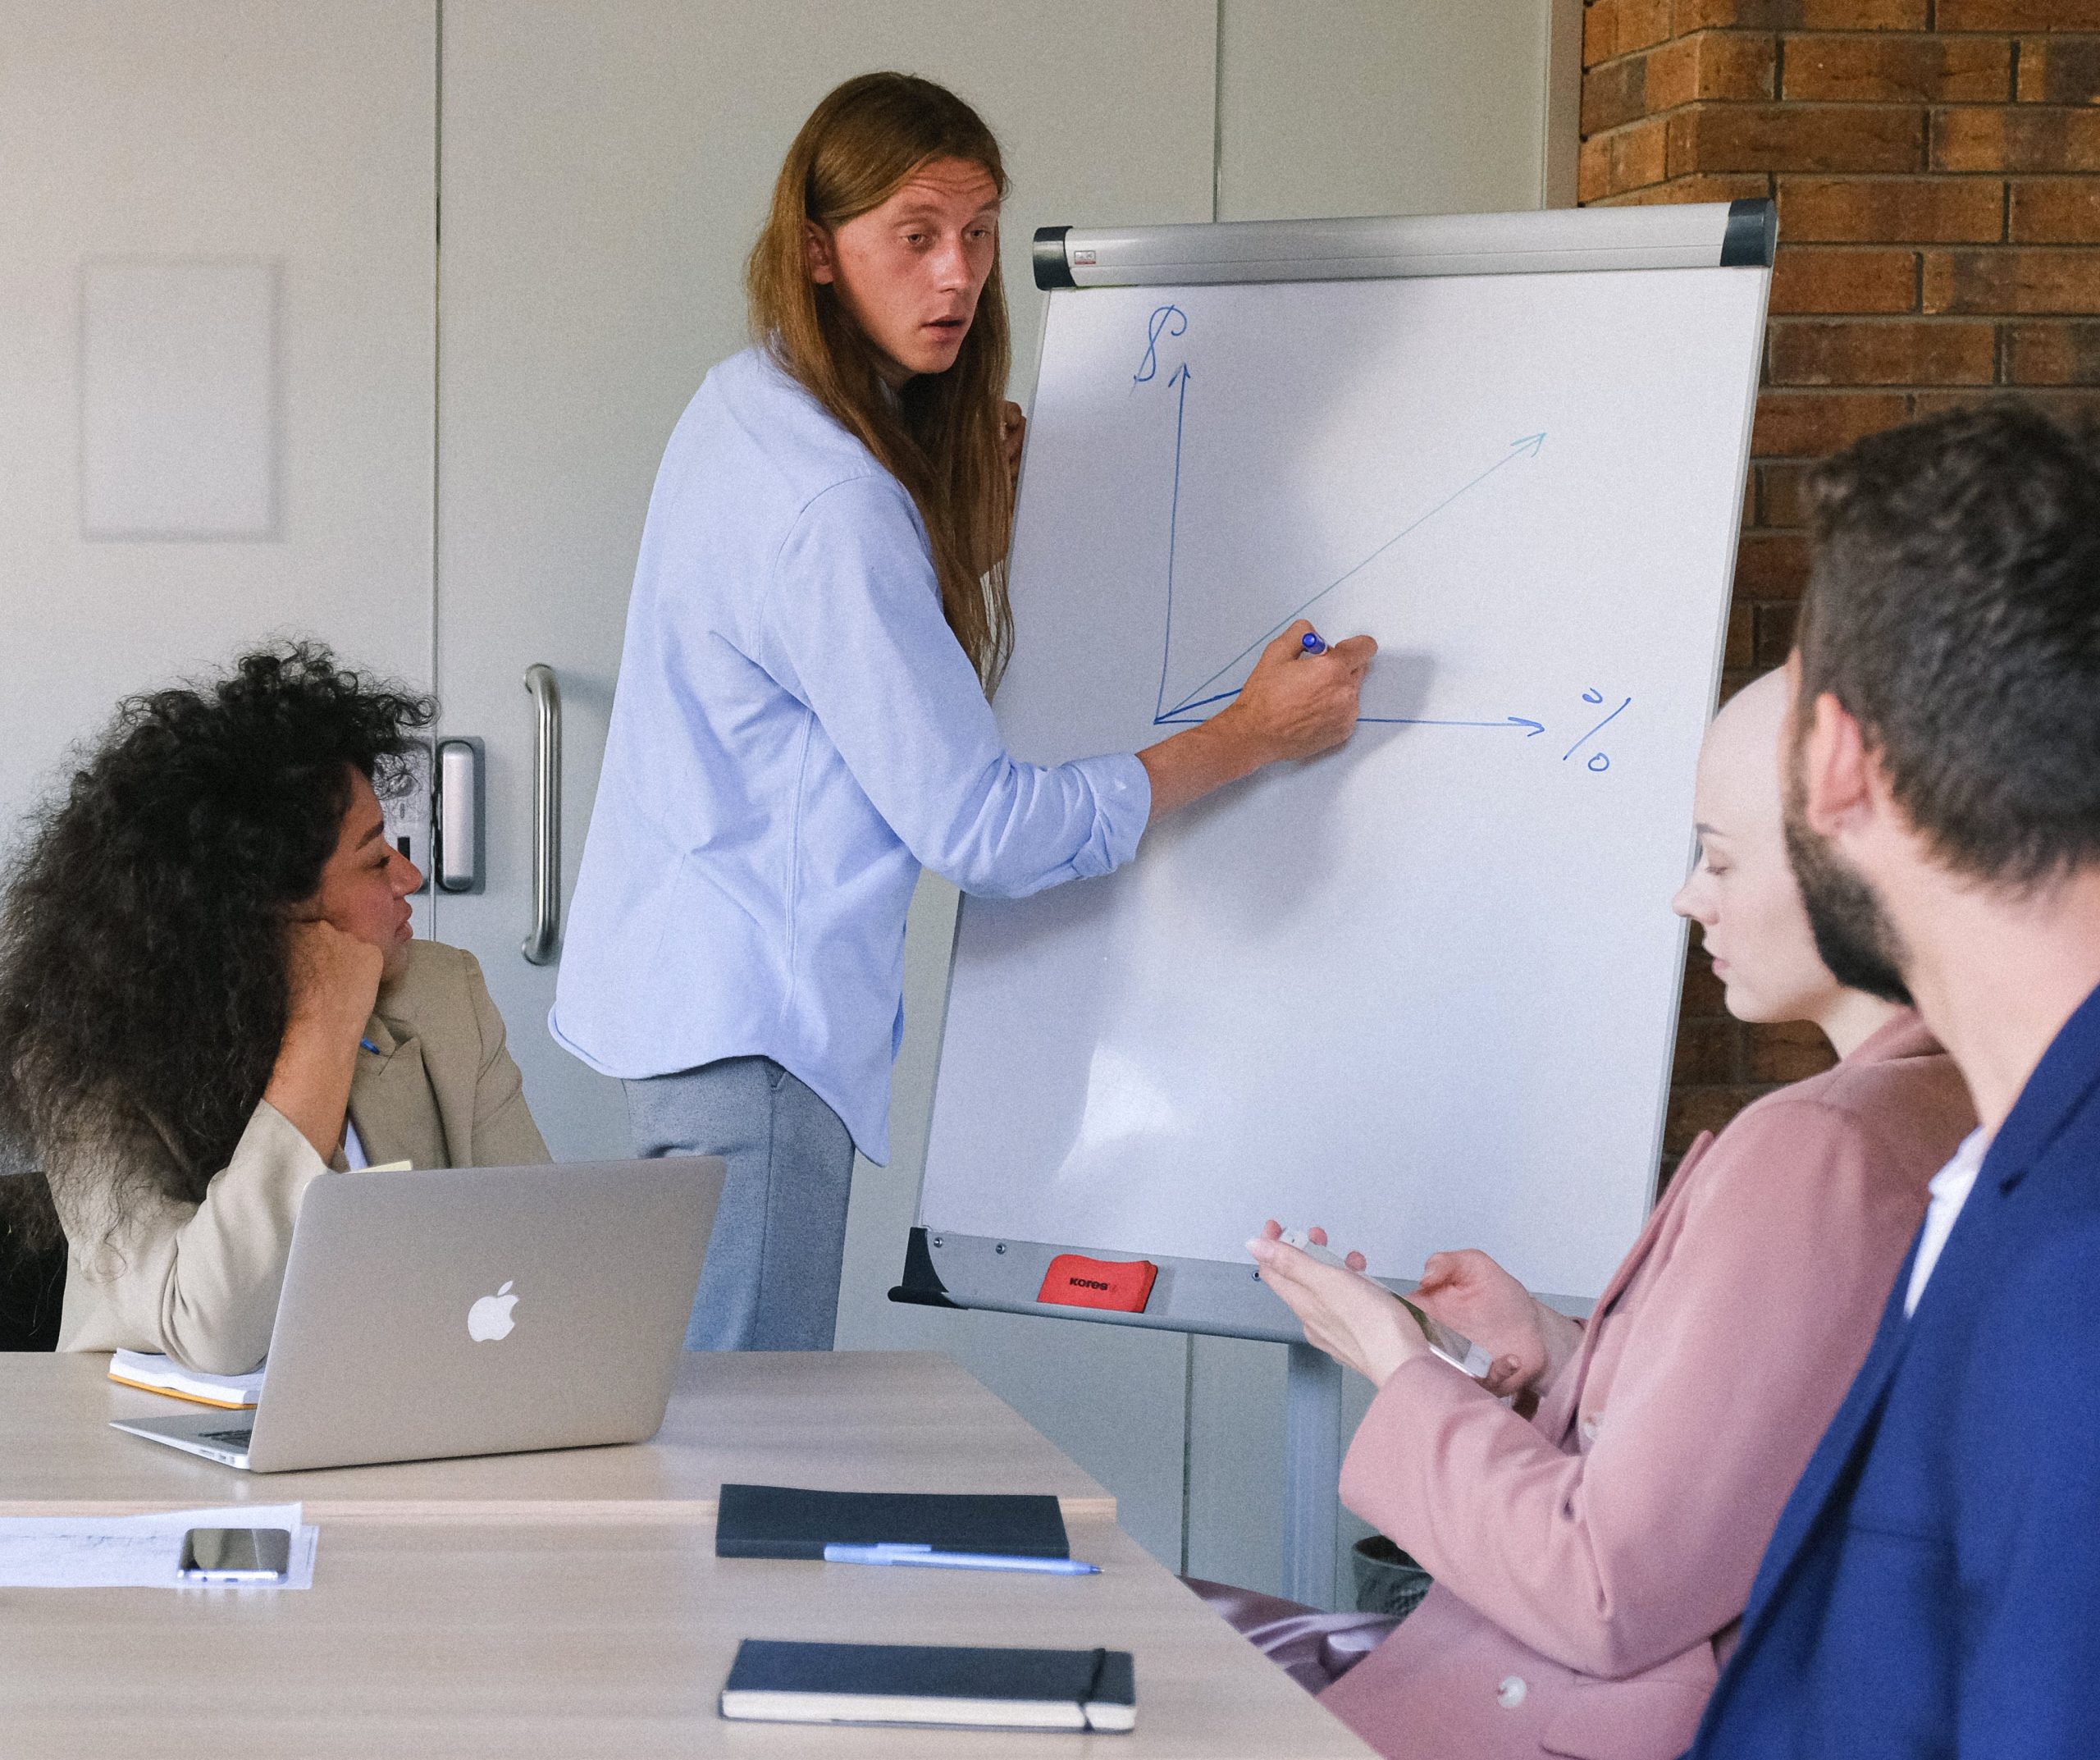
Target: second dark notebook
(772, 1682)
(779, 1521)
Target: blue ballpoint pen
(897, 1553)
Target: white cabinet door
(217, 244)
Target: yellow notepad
(162, 1374)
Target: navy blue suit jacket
(1933, 1586)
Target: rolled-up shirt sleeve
(852, 625)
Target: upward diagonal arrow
(1526, 448)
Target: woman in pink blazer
(1593, 1548)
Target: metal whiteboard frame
(1693, 236)
(943, 1269)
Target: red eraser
(1073, 1280)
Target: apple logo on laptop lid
(489, 1318)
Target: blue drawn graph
(1170, 322)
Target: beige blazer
(199, 1282)
(1591, 1563)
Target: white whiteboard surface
(1423, 989)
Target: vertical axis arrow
(1180, 380)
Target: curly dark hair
(144, 977)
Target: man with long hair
(210, 995)
(1933, 1586)
(819, 613)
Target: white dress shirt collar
(1950, 1188)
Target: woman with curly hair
(210, 996)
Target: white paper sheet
(137, 1551)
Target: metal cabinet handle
(539, 946)
(459, 838)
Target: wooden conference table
(570, 1603)
(844, 1421)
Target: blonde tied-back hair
(941, 436)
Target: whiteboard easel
(1424, 990)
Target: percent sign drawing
(1597, 761)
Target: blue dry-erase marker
(1311, 643)
(897, 1553)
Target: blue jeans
(770, 1281)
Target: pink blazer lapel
(1557, 1411)
(1645, 1243)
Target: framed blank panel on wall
(179, 398)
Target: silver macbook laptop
(472, 1311)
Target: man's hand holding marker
(1299, 701)
(1297, 709)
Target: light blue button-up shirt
(795, 733)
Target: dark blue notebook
(779, 1521)
(958, 1685)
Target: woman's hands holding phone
(1469, 1291)
(1362, 1327)
(1344, 1314)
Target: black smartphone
(236, 1555)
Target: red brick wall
(1936, 168)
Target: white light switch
(405, 808)
(178, 399)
